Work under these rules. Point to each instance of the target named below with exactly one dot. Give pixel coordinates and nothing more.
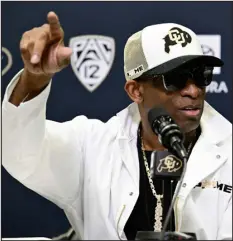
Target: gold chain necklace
(159, 208)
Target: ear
(134, 90)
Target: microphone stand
(151, 235)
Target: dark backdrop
(24, 213)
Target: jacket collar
(130, 118)
(207, 155)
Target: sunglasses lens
(177, 80)
(204, 77)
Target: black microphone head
(158, 119)
(155, 113)
(158, 115)
(164, 127)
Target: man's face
(185, 105)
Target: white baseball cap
(161, 48)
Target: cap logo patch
(176, 36)
(135, 71)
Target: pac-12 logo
(6, 60)
(92, 59)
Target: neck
(151, 142)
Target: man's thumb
(63, 56)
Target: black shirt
(142, 217)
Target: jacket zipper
(118, 221)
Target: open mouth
(191, 111)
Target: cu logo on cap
(176, 36)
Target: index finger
(54, 24)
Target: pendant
(158, 214)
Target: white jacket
(90, 169)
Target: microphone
(168, 132)
(171, 137)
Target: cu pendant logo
(92, 59)
(6, 60)
(169, 164)
(176, 36)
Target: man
(98, 172)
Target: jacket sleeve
(45, 156)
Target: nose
(191, 90)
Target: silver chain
(159, 208)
